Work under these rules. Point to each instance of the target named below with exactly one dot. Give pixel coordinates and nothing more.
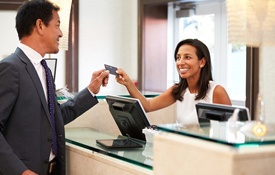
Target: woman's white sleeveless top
(186, 109)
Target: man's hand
(100, 77)
(29, 172)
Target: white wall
(8, 34)
(107, 34)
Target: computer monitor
(52, 63)
(129, 116)
(218, 112)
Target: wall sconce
(64, 13)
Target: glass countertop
(102, 96)
(86, 138)
(238, 134)
(147, 94)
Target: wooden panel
(71, 76)
(155, 48)
(252, 79)
(10, 5)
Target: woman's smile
(183, 70)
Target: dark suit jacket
(25, 129)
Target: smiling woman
(196, 84)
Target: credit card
(111, 69)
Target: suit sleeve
(78, 105)
(9, 162)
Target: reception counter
(218, 148)
(177, 150)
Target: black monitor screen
(129, 116)
(207, 111)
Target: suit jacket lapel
(36, 81)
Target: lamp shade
(64, 14)
(251, 22)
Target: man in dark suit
(26, 132)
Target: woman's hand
(123, 78)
